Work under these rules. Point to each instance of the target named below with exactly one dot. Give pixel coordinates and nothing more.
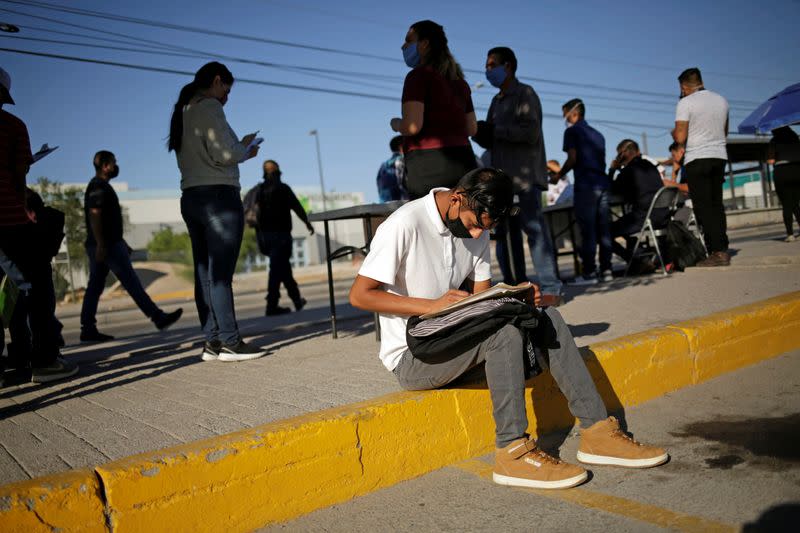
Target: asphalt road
(734, 462)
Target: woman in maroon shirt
(438, 117)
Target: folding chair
(665, 197)
(694, 227)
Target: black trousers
(705, 178)
(439, 167)
(16, 241)
(625, 226)
(277, 245)
(787, 185)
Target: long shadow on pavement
(104, 378)
(573, 291)
(102, 366)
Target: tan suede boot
(523, 464)
(604, 443)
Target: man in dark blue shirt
(586, 157)
(391, 174)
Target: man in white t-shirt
(701, 124)
(420, 259)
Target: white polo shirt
(706, 112)
(414, 254)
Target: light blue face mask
(566, 120)
(411, 55)
(496, 75)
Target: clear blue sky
(746, 50)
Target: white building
(147, 211)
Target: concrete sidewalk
(764, 248)
(148, 390)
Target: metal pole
(733, 184)
(69, 267)
(764, 185)
(644, 143)
(330, 281)
(315, 133)
(769, 183)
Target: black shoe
(241, 351)
(211, 351)
(300, 304)
(277, 310)
(166, 320)
(95, 336)
(58, 369)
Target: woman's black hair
(488, 190)
(203, 79)
(438, 56)
(784, 135)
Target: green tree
(249, 248)
(166, 245)
(68, 200)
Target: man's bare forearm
(96, 223)
(381, 301)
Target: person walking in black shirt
(107, 250)
(276, 201)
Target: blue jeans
(215, 219)
(118, 261)
(277, 245)
(539, 242)
(593, 216)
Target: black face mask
(456, 227)
(272, 176)
(114, 173)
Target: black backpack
(684, 248)
(252, 207)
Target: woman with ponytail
(209, 153)
(437, 113)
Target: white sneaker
(606, 276)
(591, 279)
(790, 238)
(211, 351)
(241, 351)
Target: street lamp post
(315, 133)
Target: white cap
(5, 81)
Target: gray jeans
(505, 374)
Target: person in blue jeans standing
(208, 153)
(108, 251)
(276, 201)
(517, 146)
(586, 157)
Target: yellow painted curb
(174, 295)
(741, 336)
(278, 471)
(70, 501)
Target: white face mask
(566, 121)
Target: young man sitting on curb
(420, 257)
